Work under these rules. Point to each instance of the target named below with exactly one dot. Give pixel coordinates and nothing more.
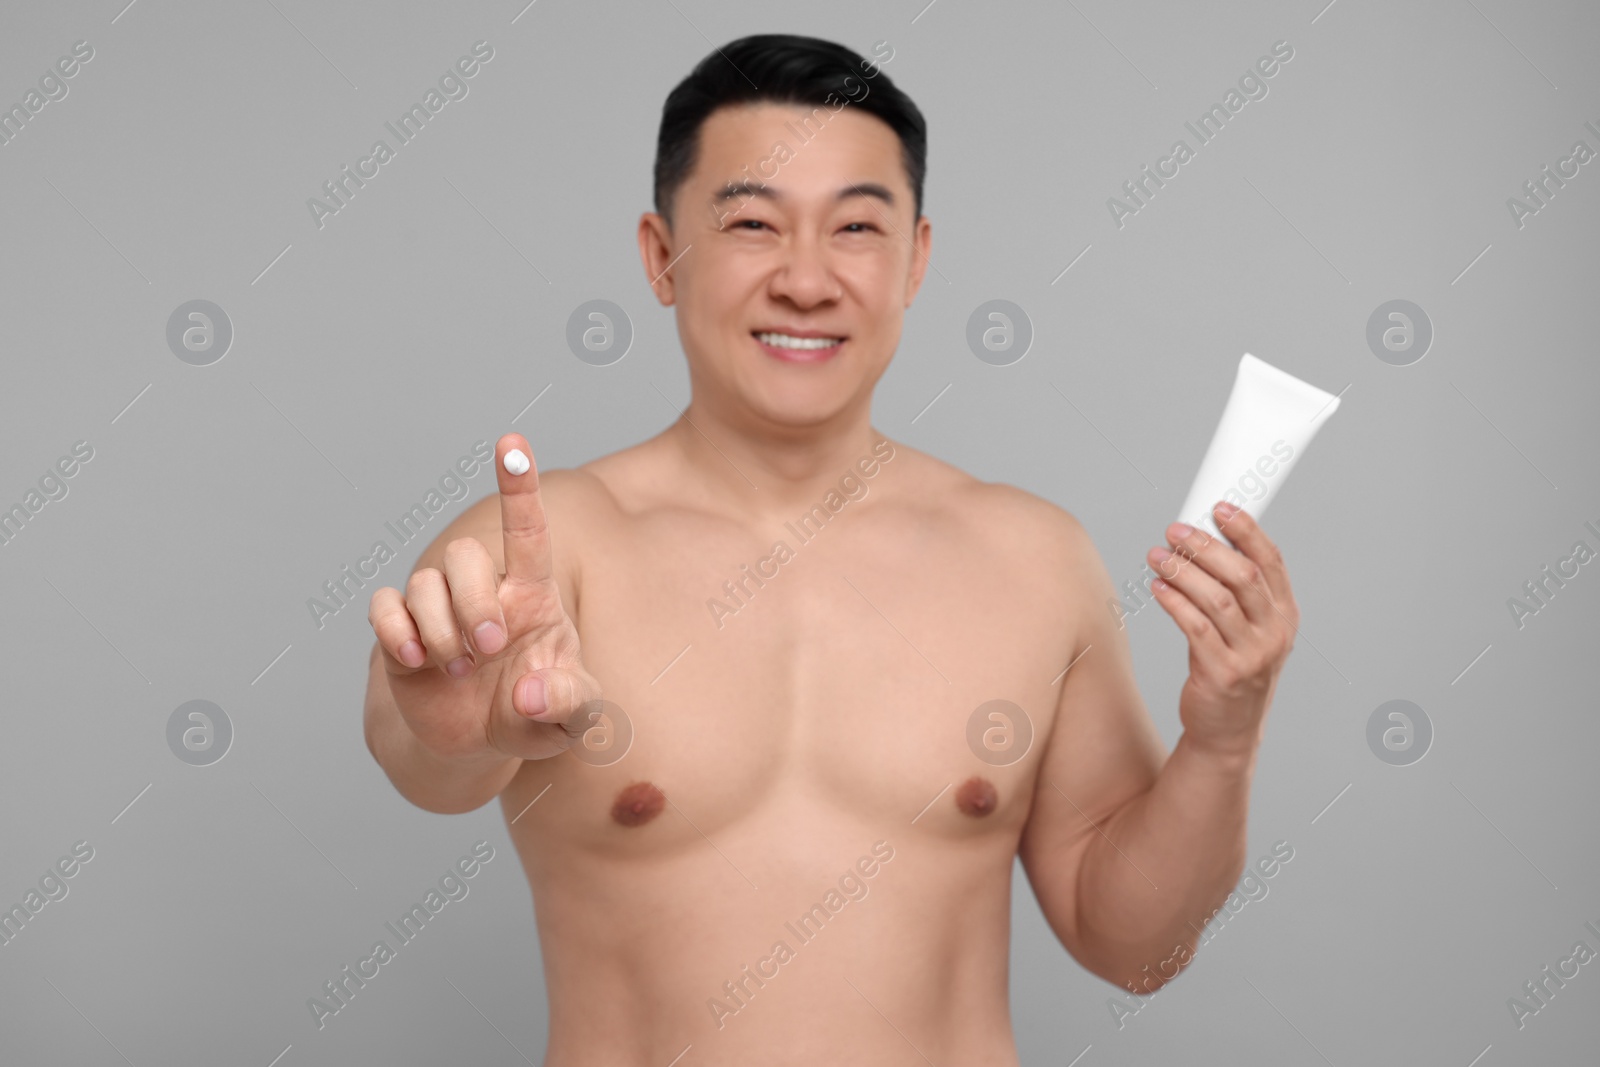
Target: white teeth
(783, 340)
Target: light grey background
(370, 354)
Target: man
(858, 681)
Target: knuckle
(422, 580)
(464, 550)
(379, 607)
(437, 627)
(543, 595)
(438, 631)
(388, 626)
(527, 535)
(1222, 602)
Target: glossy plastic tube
(1270, 418)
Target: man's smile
(799, 346)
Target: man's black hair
(782, 68)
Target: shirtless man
(803, 856)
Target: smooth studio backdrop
(369, 349)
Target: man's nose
(806, 277)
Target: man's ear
(655, 251)
(922, 245)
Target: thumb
(554, 694)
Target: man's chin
(797, 408)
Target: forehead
(820, 148)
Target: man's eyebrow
(746, 189)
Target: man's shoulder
(1025, 522)
(579, 490)
(1033, 514)
(1010, 517)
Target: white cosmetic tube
(1270, 419)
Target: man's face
(807, 255)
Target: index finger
(525, 535)
(1247, 536)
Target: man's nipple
(638, 804)
(976, 797)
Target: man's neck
(768, 471)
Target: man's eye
(866, 226)
(749, 222)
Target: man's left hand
(1236, 608)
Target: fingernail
(529, 698)
(1162, 555)
(412, 654)
(487, 636)
(1227, 510)
(1180, 530)
(460, 667)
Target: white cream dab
(516, 462)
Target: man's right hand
(517, 688)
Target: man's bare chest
(881, 673)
